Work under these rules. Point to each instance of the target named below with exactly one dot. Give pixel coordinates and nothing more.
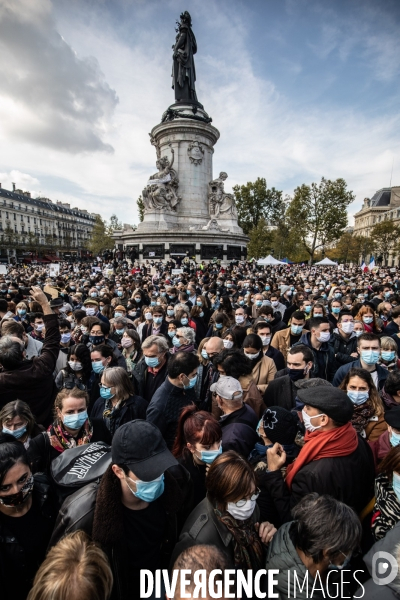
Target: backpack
(76, 467)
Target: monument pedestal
(186, 211)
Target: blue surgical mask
(267, 288)
(148, 491)
(152, 361)
(307, 309)
(396, 485)
(138, 300)
(368, 320)
(76, 421)
(65, 338)
(105, 393)
(157, 320)
(92, 295)
(336, 310)
(119, 331)
(358, 398)
(219, 325)
(17, 433)
(153, 303)
(296, 329)
(191, 384)
(21, 312)
(370, 357)
(241, 302)
(208, 456)
(184, 321)
(204, 354)
(388, 355)
(117, 314)
(318, 316)
(394, 438)
(97, 366)
(258, 302)
(172, 334)
(170, 313)
(119, 293)
(176, 342)
(201, 314)
(199, 303)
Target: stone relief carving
(221, 204)
(195, 152)
(160, 192)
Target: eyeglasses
(105, 387)
(242, 502)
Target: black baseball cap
(140, 446)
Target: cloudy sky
(299, 89)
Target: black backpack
(76, 467)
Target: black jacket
(133, 408)
(12, 550)
(97, 510)
(324, 358)
(239, 430)
(342, 348)
(281, 391)
(391, 328)
(349, 479)
(165, 408)
(146, 331)
(276, 356)
(140, 376)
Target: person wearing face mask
(65, 343)
(368, 317)
(184, 340)
(229, 517)
(151, 370)
(277, 305)
(368, 417)
(392, 328)
(20, 317)
(16, 419)
(286, 296)
(197, 317)
(284, 339)
(32, 347)
(131, 350)
(344, 340)
(389, 355)
(317, 340)
(177, 391)
(117, 404)
(135, 512)
(369, 350)
(197, 445)
(78, 370)
(335, 307)
(119, 327)
(282, 391)
(390, 437)
(264, 368)
(92, 310)
(334, 460)
(28, 511)
(98, 335)
(307, 549)
(70, 428)
(386, 512)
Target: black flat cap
(56, 302)
(329, 400)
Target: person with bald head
(212, 347)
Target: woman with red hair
(197, 444)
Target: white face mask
(307, 421)
(252, 356)
(324, 336)
(348, 327)
(241, 513)
(239, 319)
(228, 343)
(265, 339)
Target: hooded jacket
(97, 510)
(343, 347)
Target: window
(15, 228)
(22, 217)
(40, 221)
(29, 219)
(34, 220)
(6, 215)
(15, 217)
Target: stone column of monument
(183, 201)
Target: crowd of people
(237, 417)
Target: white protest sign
(54, 269)
(3, 270)
(176, 271)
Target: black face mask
(96, 339)
(13, 500)
(296, 374)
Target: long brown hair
(230, 478)
(373, 392)
(367, 310)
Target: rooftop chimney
(13, 187)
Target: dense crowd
(237, 417)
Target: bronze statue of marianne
(183, 69)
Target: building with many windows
(384, 204)
(40, 225)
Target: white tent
(326, 261)
(270, 260)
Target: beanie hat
(280, 425)
(284, 288)
(330, 401)
(392, 417)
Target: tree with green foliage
(347, 249)
(318, 213)
(384, 239)
(101, 240)
(254, 201)
(140, 207)
(260, 243)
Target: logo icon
(384, 568)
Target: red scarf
(340, 441)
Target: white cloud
(22, 181)
(62, 100)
